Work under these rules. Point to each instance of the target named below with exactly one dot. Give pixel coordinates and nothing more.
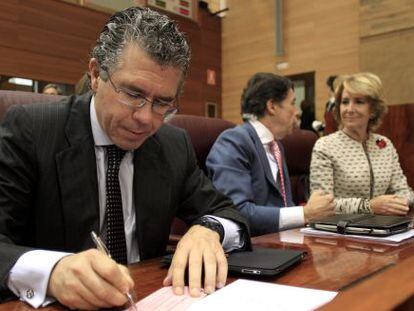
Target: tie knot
(115, 154)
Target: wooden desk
(332, 264)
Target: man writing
(247, 162)
(106, 162)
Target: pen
(100, 245)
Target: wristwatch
(212, 224)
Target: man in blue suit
(247, 162)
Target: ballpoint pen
(100, 245)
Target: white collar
(99, 136)
(265, 135)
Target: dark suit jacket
(238, 166)
(49, 190)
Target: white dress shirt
(290, 217)
(29, 277)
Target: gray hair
(53, 86)
(153, 32)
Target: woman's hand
(389, 204)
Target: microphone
(318, 126)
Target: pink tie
(274, 148)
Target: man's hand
(389, 205)
(199, 247)
(319, 205)
(89, 280)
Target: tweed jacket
(357, 172)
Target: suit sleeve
(229, 167)
(17, 175)
(199, 197)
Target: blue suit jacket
(238, 166)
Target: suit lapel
(262, 155)
(152, 196)
(77, 175)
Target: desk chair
(298, 149)
(11, 98)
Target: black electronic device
(259, 261)
(363, 224)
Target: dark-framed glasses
(165, 107)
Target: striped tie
(274, 148)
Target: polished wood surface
(338, 264)
(333, 263)
(394, 289)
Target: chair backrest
(398, 126)
(298, 149)
(203, 133)
(10, 98)
(330, 123)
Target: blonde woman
(361, 168)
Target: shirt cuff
(232, 234)
(29, 277)
(291, 217)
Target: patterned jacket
(357, 172)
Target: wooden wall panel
(211, 49)
(247, 47)
(51, 40)
(387, 46)
(47, 40)
(390, 56)
(62, 17)
(320, 36)
(39, 66)
(205, 41)
(8, 10)
(379, 17)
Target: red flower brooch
(381, 143)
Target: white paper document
(253, 295)
(392, 239)
(165, 300)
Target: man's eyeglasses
(166, 108)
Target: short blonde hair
(368, 85)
